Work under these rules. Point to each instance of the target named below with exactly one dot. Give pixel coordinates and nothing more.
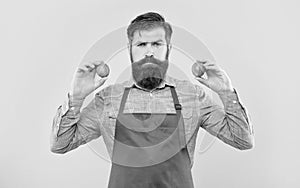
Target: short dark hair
(148, 21)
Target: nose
(150, 51)
(149, 54)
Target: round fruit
(102, 70)
(198, 69)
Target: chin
(149, 72)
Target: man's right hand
(84, 80)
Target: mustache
(150, 60)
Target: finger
(97, 63)
(209, 62)
(90, 66)
(200, 61)
(202, 81)
(205, 61)
(100, 82)
(82, 69)
(211, 65)
(93, 64)
(214, 67)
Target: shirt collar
(167, 81)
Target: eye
(156, 44)
(141, 44)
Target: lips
(149, 64)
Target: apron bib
(150, 150)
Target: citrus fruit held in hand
(103, 70)
(198, 69)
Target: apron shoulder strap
(177, 105)
(124, 97)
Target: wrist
(74, 104)
(229, 90)
(75, 97)
(75, 101)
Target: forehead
(149, 35)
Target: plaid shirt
(230, 122)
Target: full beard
(149, 72)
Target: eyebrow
(160, 40)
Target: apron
(150, 150)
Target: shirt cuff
(71, 106)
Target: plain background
(42, 43)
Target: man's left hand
(217, 79)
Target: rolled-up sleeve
(72, 127)
(231, 123)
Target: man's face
(149, 57)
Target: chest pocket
(112, 105)
(111, 110)
(187, 116)
(112, 113)
(190, 121)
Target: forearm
(232, 123)
(73, 127)
(237, 112)
(64, 126)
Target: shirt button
(72, 108)
(234, 102)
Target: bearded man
(150, 122)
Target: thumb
(202, 81)
(100, 82)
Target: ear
(128, 47)
(170, 47)
(129, 51)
